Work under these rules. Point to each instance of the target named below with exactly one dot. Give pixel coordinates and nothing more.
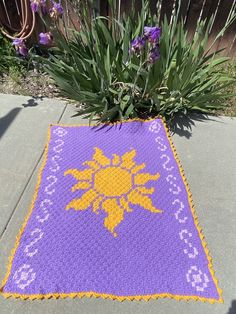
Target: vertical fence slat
(190, 11)
(166, 9)
(203, 9)
(184, 8)
(220, 19)
(228, 40)
(232, 49)
(158, 5)
(193, 15)
(12, 13)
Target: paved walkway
(208, 155)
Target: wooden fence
(190, 11)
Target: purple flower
(152, 33)
(37, 4)
(56, 10)
(18, 42)
(23, 50)
(20, 46)
(44, 7)
(154, 54)
(45, 39)
(34, 6)
(137, 44)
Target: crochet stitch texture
(112, 216)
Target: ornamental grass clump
(122, 67)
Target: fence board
(166, 8)
(190, 10)
(221, 17)
(12, 13)
(184, 9)
(193, 15)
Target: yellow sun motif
(112, 185)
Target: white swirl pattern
(25, 274)
(176, 189)
(58, 147)
(32, 243)
(52, 180)
(194, 276)
(162, 147)
(179, 211)
(55, 163)
(44, 205)
(194, 252)
(167, 158)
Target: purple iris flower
(58, 7)
(154, 54)
(20, 46)
(34, 6)
(44, 7)
(18, 42)
(45, 39)
(23, 50)
(152, 33)
(37, 4)
(137, 44)
(56, 10)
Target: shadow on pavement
(32, 102)
(182, 125)
(7, 120)
(232, 309)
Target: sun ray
(115, 214)
(115, 160)
(84, 202)
(137, 198)
(99, 157)
(112, 186)
(97, 203)
(137, 168)
(143, 178)
(92, 165)
(85, 174)
(144, 190)
(127, 159)
(81, 185)
(125, 204)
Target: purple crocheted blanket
(112, 216)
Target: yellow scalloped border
(104, 295)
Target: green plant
(230, 68)
(8, 60)
(16, 72)
(96, 68)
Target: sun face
(112, 185)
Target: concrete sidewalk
(208, 155)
